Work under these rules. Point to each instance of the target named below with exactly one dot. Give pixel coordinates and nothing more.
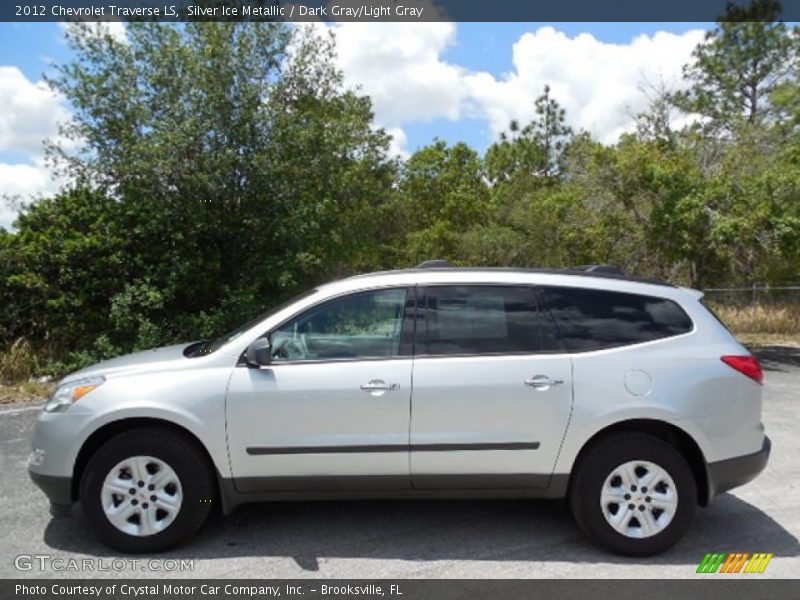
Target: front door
(332, 409)
(492, 389)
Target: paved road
(429, 539)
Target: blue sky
(458, 82)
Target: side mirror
(258, 353)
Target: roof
(600, 271)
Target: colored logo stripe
(711, 563)
(737, 562)
(729, 562)
(758, 563)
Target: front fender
(193, 400)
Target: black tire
(182, 454)
(598, 464)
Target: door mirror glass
(258, 353)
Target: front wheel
(146, 490)
(633, 494)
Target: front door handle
(378, 387)
(542, 382)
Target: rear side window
(485, 319)
(597, 319)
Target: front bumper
(57, 438)
(727, 474)
(57, 489)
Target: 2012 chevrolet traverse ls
(626, 396)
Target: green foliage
(61, 267)
(441, 193)
(222, 168)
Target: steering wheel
(290, 349)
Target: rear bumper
(727, 474)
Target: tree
(441, 193)
(537, 148)
(60, 268)
(739, 66)
(232, 160)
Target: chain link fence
(756, 293)
(758, 308)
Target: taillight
(746, 365)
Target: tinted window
(362, 325)
(481, 320)
(596, 319)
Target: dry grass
(17, 367)
(762, 323)
(18, 363)
(25, 392)
(769, 339)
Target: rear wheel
(633, 494)
(146, 490)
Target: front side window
(475, 319)
(362, 325)
(596, 319)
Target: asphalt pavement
(415, 539)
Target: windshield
(209, 346)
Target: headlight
(68, 393)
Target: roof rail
(608, 269)
(434, 264)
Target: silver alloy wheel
(141, 495)
(639, 499)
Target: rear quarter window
(598, 319)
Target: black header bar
(367, 11)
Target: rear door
(492, 389)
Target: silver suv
(626, 396)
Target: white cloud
(598, 83)
(31, 112)
(398, 145)
(21, 182)
(399, 66)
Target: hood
(138, 361)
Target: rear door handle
(542, 382)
